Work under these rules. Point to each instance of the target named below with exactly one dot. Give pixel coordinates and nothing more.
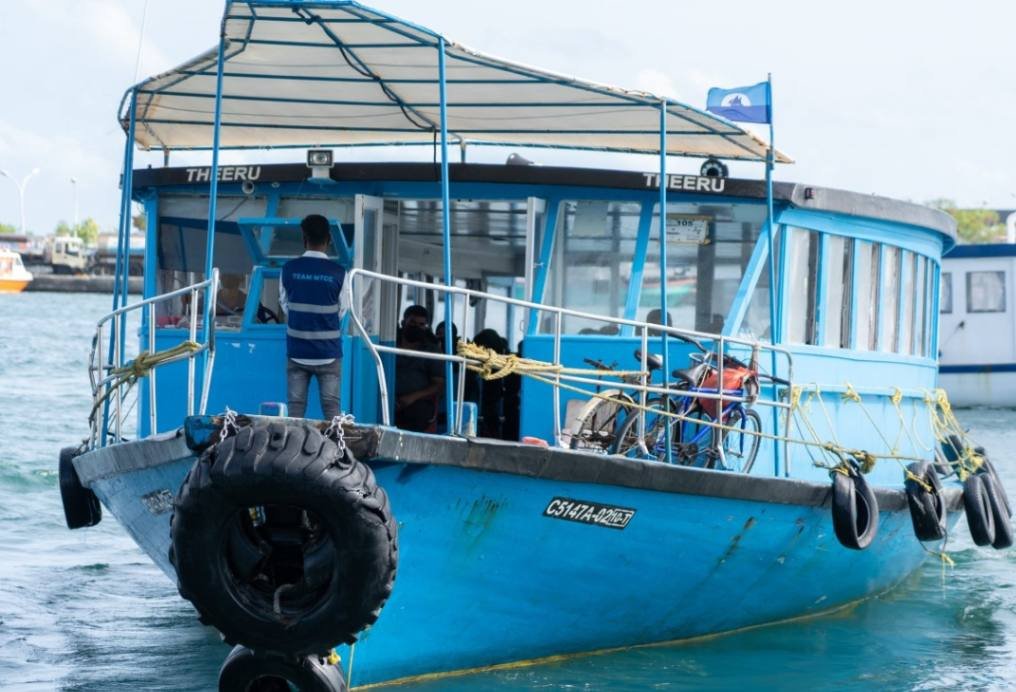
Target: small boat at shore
(740, 425)
(14, 278)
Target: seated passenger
(491, 392)
(653, 317)
(417, 380)
(231, 299)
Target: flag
(750, 104)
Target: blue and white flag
(750, 104)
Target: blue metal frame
(550, 227)
(663, 266)
(446, 232)
(638, 265)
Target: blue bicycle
(695, 437)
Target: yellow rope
(144, 363)
(491, 365)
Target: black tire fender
(927, 508)
(977, 507)
(999, 512)
(989, 469)
(348, 570)
(243, 667)
(854, 508)
(81, 506)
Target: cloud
(110, 26)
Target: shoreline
(57, 283)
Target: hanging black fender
(999, 511)
(243, 668)
(282, 541)
(977, 505)
(81, 506)
(927, 506)
(855, 510)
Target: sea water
(87, 610)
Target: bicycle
(596, 424)
(699, 437)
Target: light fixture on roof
(714, 168)
(517, 160)
(320, 163)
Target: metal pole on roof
(216, 128)
(446, 234)
(663, 269)
(122, 264)
(775, 321)
(208, 313)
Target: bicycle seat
(652, 361)
(691, 375)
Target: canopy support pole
(213, 192)
(446, 235)
(663, 270)
(775, 318)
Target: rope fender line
(491, 365)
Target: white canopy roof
(333, 73)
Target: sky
(908, 99)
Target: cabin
(856, 289)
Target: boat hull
(492, 571)
(13, 285)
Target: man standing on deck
(310, 293)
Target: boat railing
(780, 359)
(113, 374)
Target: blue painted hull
(486, 578)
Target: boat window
(907, 307)
(920, 346)
(866, 257)
(268, 309)
(288, 241)
(591, 268)
(889, 300)
(180, 244)
(802, 279)
(945, 296)
(708, 250)
(986, 291)
(837, 274)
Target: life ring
(977, 504)
(81, 506)
(927, 507)
(245, 670)
(283, 543)
(855, 510)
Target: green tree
(8, 228)
(973, 225)
(140, 221)
(64, 228)
(88, 231)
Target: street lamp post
(21, 193)
(74, 184)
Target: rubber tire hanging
(977, 504)
(243, 670)
(344, 584)
(854, 508)
(81, 506)
(927, 509)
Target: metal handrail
(106, 375)
(643, 386)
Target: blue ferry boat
(710, 405)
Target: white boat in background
(977, 346)
(13, 275)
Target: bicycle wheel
(740, 444)
(692, 438)
(597, 423)
(628, 439)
